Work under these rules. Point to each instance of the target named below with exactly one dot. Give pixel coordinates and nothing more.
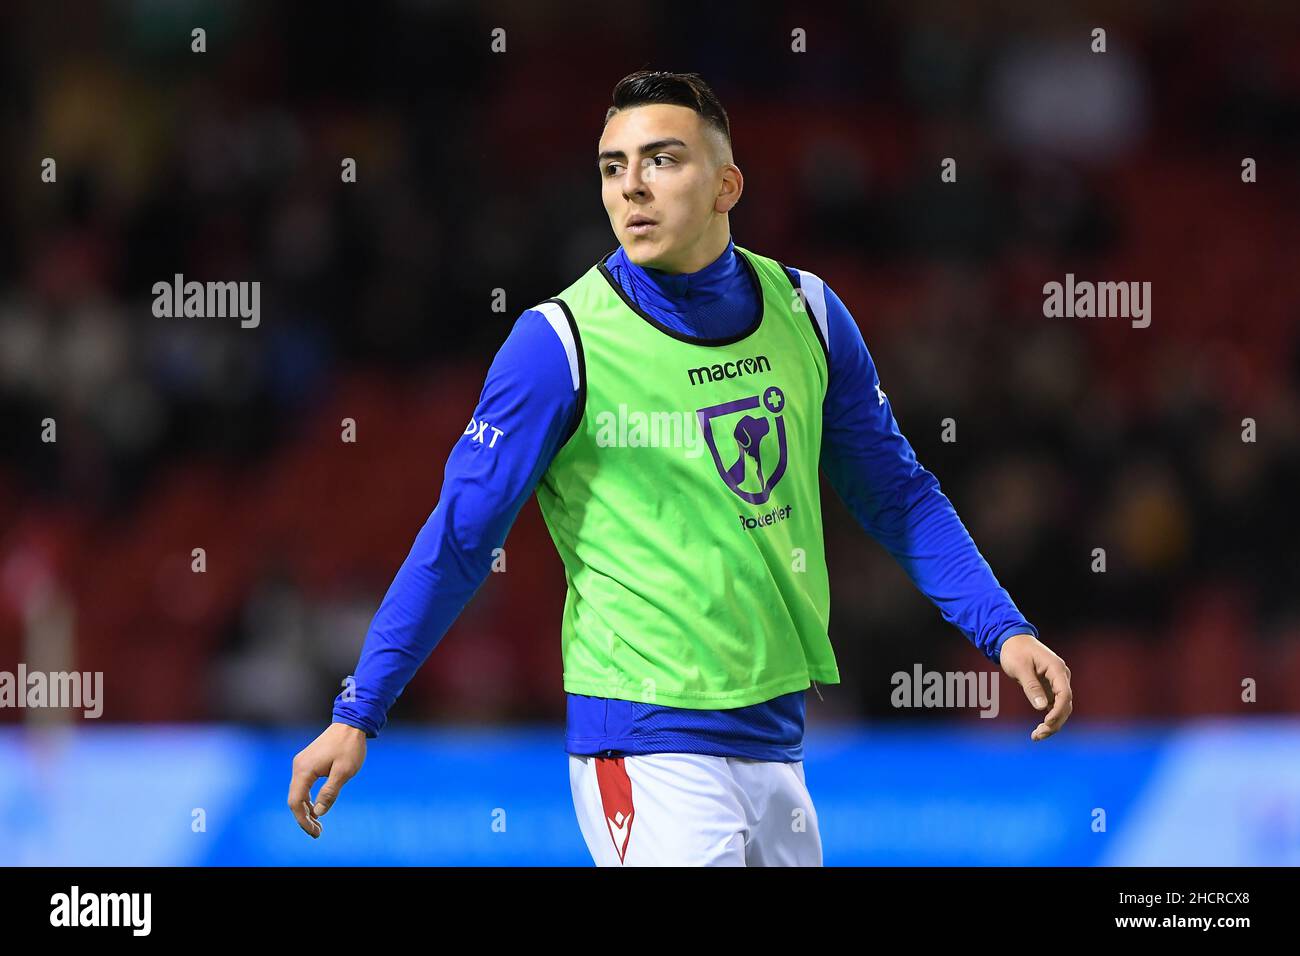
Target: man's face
(656, 163)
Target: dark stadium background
(476, 173)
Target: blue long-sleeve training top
(529, 404)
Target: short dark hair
(678, 89)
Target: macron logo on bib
(725, 370)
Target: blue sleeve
(874, 470)
(524, 415)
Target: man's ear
(730, 188)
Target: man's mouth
(640, 225)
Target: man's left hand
(1044, 677)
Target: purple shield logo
(748, 432)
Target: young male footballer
(672, 409)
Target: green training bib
(686, 504)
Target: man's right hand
(338, 754)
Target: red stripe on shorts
(616, 798)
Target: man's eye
(664, 156)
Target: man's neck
(704, 253)
(667, 290)
(713, 302)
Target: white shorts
(682, 809)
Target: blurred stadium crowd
(476, 172)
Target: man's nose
(634, 182)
